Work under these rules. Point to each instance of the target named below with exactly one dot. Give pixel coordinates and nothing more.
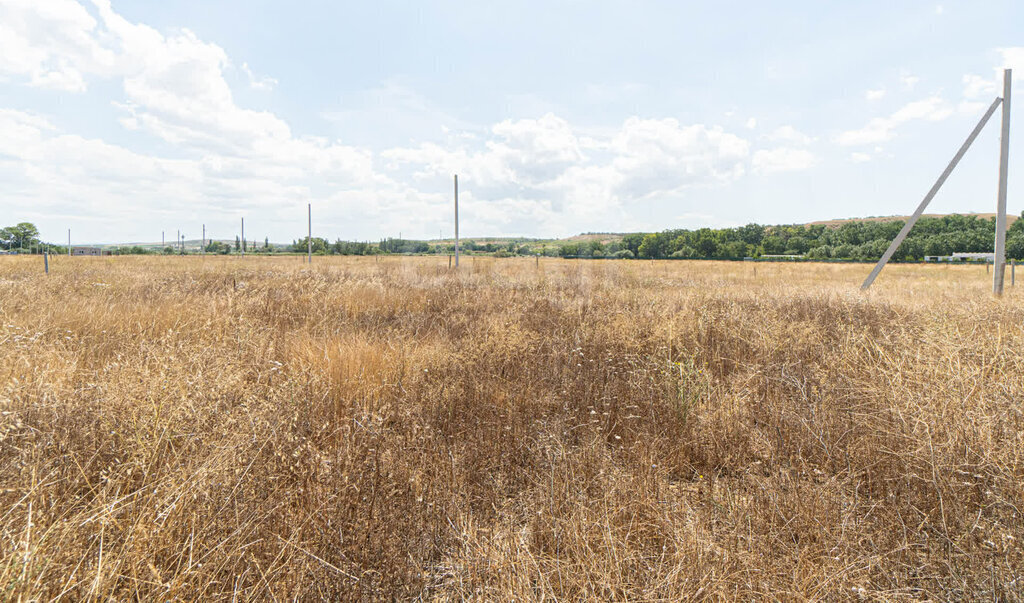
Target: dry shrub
(385, 428)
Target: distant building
(962, 256)
(87, 251)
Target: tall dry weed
(364, 429)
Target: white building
(962, 256)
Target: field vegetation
(184, 428)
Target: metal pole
(456, 220)
(999, 263)
(243, 237)
(928, 198)
(309, 234)
(46, 262)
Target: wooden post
(456, 220)
(998, 272)
(309, 236)
(928, 198)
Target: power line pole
(309, 234)
(931, 193)
(243, 237)
(999, 262)
(456, 220)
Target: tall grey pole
(178, 242)
(456, 220)
(309, 233)
(928, 198)
(243, 238)
(999, 263)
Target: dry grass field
(225, 429)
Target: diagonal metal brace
(928, 198)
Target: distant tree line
(854, 240)
(858, 240)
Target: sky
(122, 119)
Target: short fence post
(46, 262)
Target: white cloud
(265, 83)
(980, 88)
(859, 157)
(881, 129)
(50, 43)
(1011, 57)
(976, 86)
(789, 134)
(783, 159)
(544, 161)
(751, 123)
(939, 9)
(909, 80)
(873, 95)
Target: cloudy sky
(120, 119)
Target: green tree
(20, 236)
(706, 243)
(651, 246)
(238, 244)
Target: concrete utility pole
(243, 237)
(309, 233)
(456, 220)
(931, 194)
(999, 262)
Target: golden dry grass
(187, 429)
